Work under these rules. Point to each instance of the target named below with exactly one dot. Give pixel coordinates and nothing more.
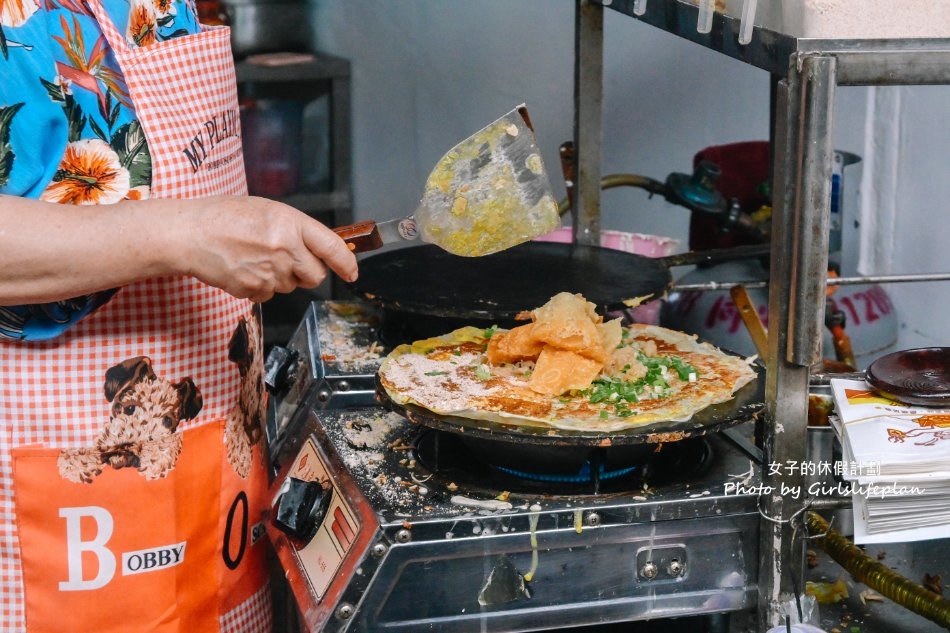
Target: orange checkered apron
(131, 472)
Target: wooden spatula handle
(360, 237)
(743, 302)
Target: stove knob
(648, 570)
(300, 508)
(279, 369)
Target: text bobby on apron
(130, 452)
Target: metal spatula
(488, 193)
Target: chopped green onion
(603, 415)
(436, 373)
(682, 368)
(482, 372)
(489, 332)
(652, 385)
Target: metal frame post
(799, 261)
(588, 114)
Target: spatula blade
(490, 192)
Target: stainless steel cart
(806, 73)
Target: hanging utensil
(704, 19)
(747, 22)
(488, 193)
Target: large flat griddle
(426, 280)
(746, 404)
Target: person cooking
(131, 403)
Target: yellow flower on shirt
(90, 173)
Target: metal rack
(321, 75)
(805, 75)
(324, 74)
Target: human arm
(250, 247)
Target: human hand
(253, 247)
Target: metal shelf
(322, 75)
(321, 67)
(313, 203)
(860, 61)
(806, 73)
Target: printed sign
(323, 556)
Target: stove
(383, 525)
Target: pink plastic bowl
(637, 243)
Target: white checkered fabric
(178, 87)
(251, 616)
(52, 392)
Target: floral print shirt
(68, 129)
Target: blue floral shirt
(68, 130)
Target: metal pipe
(812, 209)
(821, 379)
(781, 559)
(798, 267)
(831, 281)
(620, 180)
(830, 503)
(878, 576)
(588, 115)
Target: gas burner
(585, 475)
(491, 467)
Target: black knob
(834, 316)
(301, 507)
(706, 175)
(279, 368)
(697, 191)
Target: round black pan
(918, 376)
(747, 404)
(426, 280)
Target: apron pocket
(123, 539)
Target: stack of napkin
(895, 463)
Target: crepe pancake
(675, 376)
